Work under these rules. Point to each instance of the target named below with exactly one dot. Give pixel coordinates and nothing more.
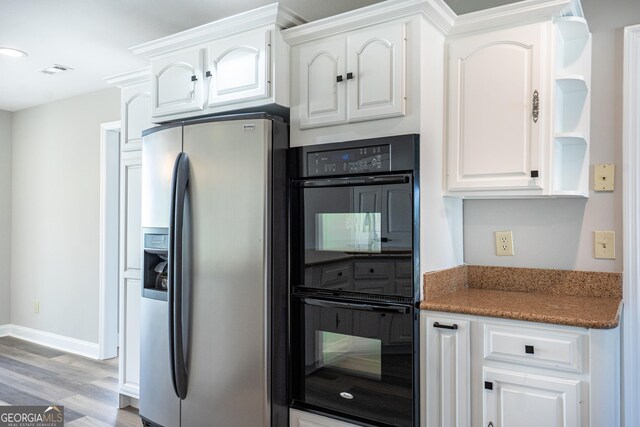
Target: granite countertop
(574, 298)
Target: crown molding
(129, 78)
(272, 14)
(514, 14)
(435, 11)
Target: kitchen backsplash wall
(559, 233)
(5, 215)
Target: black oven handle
(356, 306)
(364, 180)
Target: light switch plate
(604, 244)
(603, 177)
(504, 243)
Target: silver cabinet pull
(535, 108)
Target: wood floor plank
(88, 389)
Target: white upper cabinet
(176, 83)
(518, 103)
(377, 62)
(495, 128)
(239, 62)
(321, 74)
(238, 68)
(353, 77)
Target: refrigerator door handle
(179, 185)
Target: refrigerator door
(158, 402)
(159, 152)
(227, 361)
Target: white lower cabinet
(306, 419)
(519, 399)
(488, 372)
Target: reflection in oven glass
(350, 354)
(348, 232)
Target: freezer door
(227, 361)
(159, 152)
(158, 402)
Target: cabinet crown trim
(129, 78)
(435, 11)
(272, 14)
(515, 14)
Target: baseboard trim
(5, 330)
(48, 339)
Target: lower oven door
(354, 359)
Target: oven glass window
(348, 232)
(350, 354)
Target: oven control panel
(349, 161)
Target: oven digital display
(348, 232)
(349, 161)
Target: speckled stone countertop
(574, 298)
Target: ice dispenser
(154, 273)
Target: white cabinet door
(322, 82)
(130, 267)
(306, 419)
(136, 115)
(376, 59)
(494, 140)
(518, 399)
(238, 68)
(448, 372)
(177, 83)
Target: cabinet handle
(490, 424)
(535, 110)
(441, 326)
(339, 78)
(535, 174)
(488, 385)
(528, 349)
(208, 74)
(194, 78)
(349, 76)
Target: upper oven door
(355, 234)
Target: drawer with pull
(546, 348)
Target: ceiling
(93, 37)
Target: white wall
(559, 233)
(56, 183)
(5, 215)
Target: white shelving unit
(570, 150)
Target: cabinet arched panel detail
(378, 64)
(378, 53)
(322, 72)
(174, 85)
(236, 70)
(509, 88)
(239, 67)
(137, 114)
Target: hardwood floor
(88, 389)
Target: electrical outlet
(504, 243)
(36, 307)
(604, 244)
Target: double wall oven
(355, 280)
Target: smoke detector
(56, 69)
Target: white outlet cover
(604, 244)
(504, 243)
(604, 177)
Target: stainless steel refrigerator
(214, 306)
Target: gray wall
(5, 216)
(559, 233)
(56, 191)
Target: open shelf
(570, 154)
(572, 83)
(573, 28)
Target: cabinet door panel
(136, 115)
(177, 83)
(526, 400)
(377, 61)
(494, 142)
(239, 67)
(448, 372)
(322, 97)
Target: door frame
(631, 223)
(109, 240)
